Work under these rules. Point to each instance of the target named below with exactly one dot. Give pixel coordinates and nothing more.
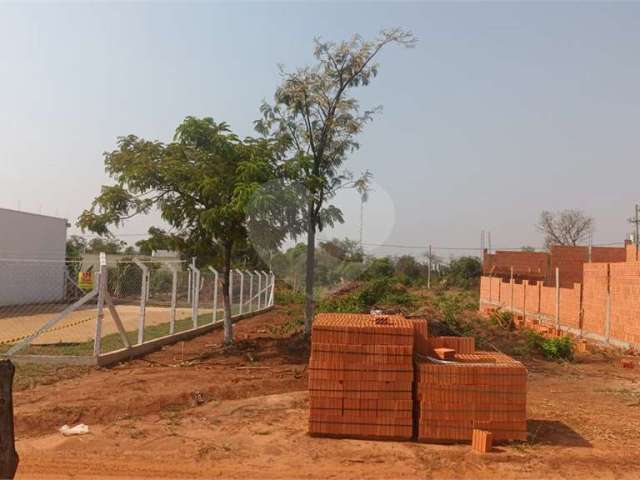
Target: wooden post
(557, 300)
(8, 454)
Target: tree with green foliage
(202, 183)
(344, 250)
(75, 247)
(111, 246)
(464, 272)
(158, 239)
(408, 269)
(315, 121)
(379, 268)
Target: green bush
(557, 348)
(560, 348)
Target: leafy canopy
(201, 183)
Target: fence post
(174, 298)
(102, 286)
(266, 289)
(240, 308)
(215, 294)
(259, 287)
(143, 299)
(511, 306)
(231, 291)
(195, 295)
(273, 287)
(557, 300)
(8, 455)
(189, 287)
(250, 290)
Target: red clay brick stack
(361, 376)
(484, 390)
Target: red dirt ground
(195, 410)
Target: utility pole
(429, 272)
(636, 221)
(489, 241)
(361, 223)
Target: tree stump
(8, 454)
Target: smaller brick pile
(361, 375)
(479, 390)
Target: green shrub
(560, 348)
(557, 348)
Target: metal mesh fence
(36, 293)
(61, 307)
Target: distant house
(32, 257)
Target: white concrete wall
(32, 254)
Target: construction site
(239, 240)
(589, 292)
(373, 396)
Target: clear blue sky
(502, 110)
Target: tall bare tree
(566, 227)
(316, 121)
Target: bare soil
(198, 410)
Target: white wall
(32, 254)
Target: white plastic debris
(79, 429)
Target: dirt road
(196, 410)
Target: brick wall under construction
(541, 266)
(605, 306)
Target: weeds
(289, 297)
(558, 348)
(378, 292)
(451, 308)
(502, 319)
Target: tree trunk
(226, 295)
(8, 454)
(309, 304)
